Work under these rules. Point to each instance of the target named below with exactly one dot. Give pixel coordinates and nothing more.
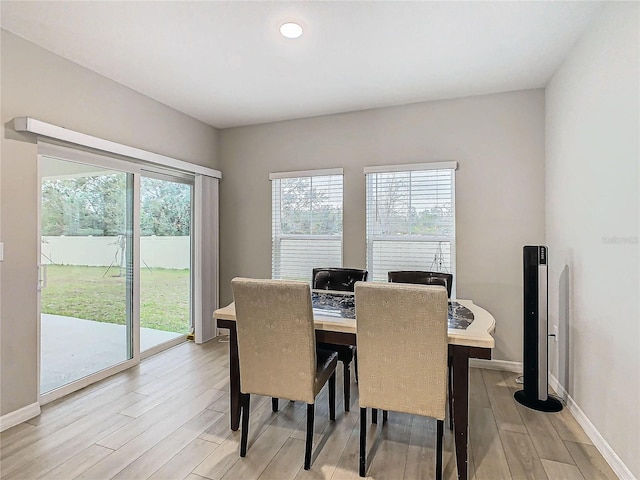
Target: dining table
(470, 335)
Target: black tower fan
(535, 393)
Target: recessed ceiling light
(290, 30)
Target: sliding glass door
(165, 260)
(116, 270)
(86, 287)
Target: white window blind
(411, 219)
(306, 223)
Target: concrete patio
(72, 348)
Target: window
(410, 218)
(306, 227)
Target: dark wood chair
(343, 280)
(428, 278)
(422, 278)
(339, 279)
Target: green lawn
(86, 292)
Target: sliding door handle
(42, 277)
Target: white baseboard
(503, 365)
(18, 416)
(614, 461)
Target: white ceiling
(225, 63)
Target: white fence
(155, 252)
(295, 258)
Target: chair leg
(385, 414)
(450, 395)
(307, 452)
(347, 386)
(363, 441)
(439, 449)
(374, 415)
(245, 401)
(355, 362)
(332, 397)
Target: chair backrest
(402, 347)
(423, 278)
(276, 338)
(339, 279)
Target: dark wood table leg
(234, 378)
(461, 406)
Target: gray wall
(498, 141)
(39, 84)
(592, 183)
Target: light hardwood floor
(168, 419)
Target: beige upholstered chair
(390, 316)
(429, 278)
(277, 349)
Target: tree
(96, 205)
(88, 205)
(405, 205)
(307, 208)
(165, 208)
(53, 206)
